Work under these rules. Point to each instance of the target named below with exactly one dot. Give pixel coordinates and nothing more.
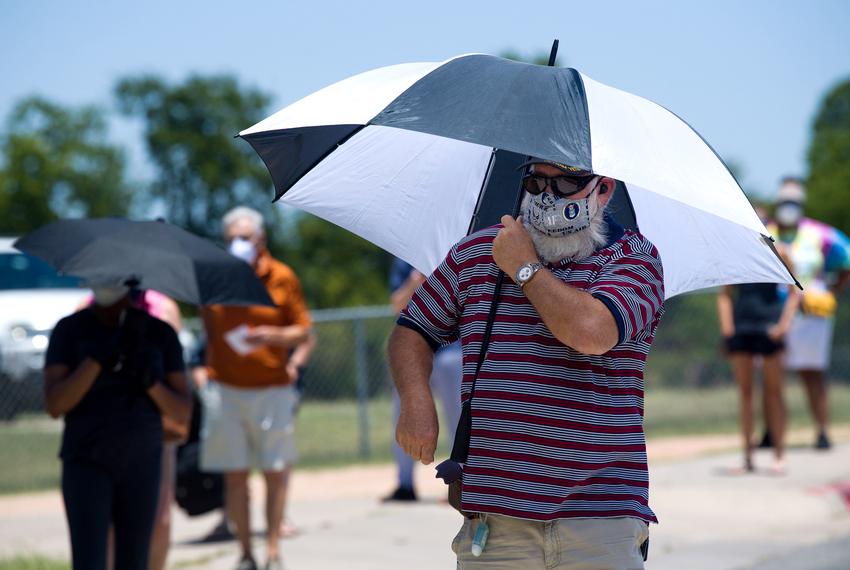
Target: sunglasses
(562, 186)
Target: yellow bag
(818, 303)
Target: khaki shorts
(574, 544)
(247, 428)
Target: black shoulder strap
(460, 447)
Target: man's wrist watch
(526, 272)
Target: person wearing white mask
(821, 259)
(254, 357)
(113, 371)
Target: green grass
(691, 412)
(33, 563)
(328, 432)
(28, 452)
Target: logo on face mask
(559, 216)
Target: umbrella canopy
(412, 157)
(158, 255)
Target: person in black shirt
(754, 318)
(113, 371)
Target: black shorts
(757, 343)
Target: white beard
(575, 246)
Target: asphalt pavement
(709, 519)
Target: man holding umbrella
(254, 357)
(556, 468)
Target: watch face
(525, 273)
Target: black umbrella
(157, 255)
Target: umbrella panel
(502, 187)
(159, 255)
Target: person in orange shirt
(254, 357)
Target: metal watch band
(535, 267)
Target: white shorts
(247, 428)
(808, 344)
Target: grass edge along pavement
(33, 562)
(680, 453)
(328, 433)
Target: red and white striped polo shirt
(555, 433)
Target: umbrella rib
(770, 243)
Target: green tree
(337, 268)
(829, 160)
(189, 128)
(56, 163)
(539, 58)
(202, 171)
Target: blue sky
(747, 75)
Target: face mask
(560, 216)
(789, 214)
(108, 296)
(243, 249)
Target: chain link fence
(346, 410)
(347, 389)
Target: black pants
(123, 495)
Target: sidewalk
(708, 518)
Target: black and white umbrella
(413, 156)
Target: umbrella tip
(553, 54)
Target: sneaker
(401, 494)
(220, 533)
(766, 441)
(274, 564)
(823, 442)
(247, 563)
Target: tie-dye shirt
(817, 250)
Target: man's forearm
(411, 360)
(301, 355)
(575, 317)
(292, 335)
